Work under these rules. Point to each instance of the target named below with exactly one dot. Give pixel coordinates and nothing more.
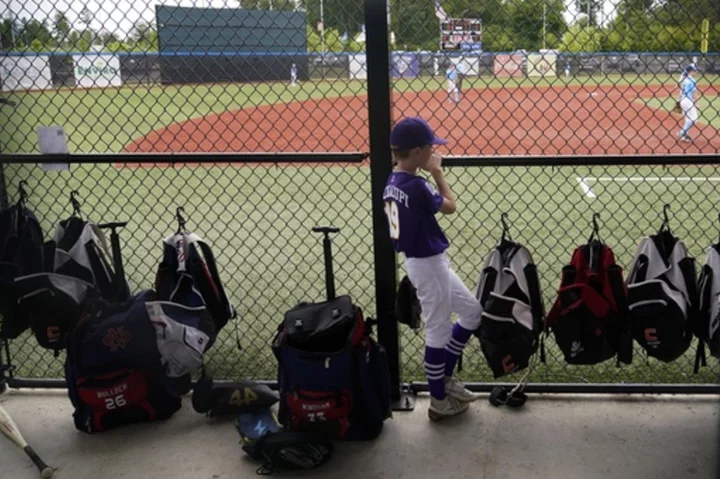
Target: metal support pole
(3, 189)
(3, 367)
(379, 103)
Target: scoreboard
(461, 34)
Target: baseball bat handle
(44, 468)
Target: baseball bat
(10, 429)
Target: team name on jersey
(397, 194)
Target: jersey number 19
(391, 211)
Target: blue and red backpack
(333, 377)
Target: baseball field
(258, 219)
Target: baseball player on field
(293, 75)
(452, 84)
(688, 88)
(411, 203)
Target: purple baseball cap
(413, 132)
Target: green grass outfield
(107, 120)
(258, 219)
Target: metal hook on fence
(595, 228)
(23, 194)
(666, 222)
(180, 220)
(505, 228)
(75, 203)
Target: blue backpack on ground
(333, 377)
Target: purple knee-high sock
(455, 347)
(435, 370)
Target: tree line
(508, 25)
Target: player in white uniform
(411, 204)
(293, 75)
(688, 89)
(452, 86)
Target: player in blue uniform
(688, 88)
(411, 204)
(452, 83)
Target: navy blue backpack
(115, 372)
(343, 392)
(333, 377)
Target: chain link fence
(258, 221)
(502, 78)
(550, 211)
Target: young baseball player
(688, 89)
(411, 204)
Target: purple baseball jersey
(411, 203)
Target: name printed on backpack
(112, 392)
(315, 407)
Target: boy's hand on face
(434, 165)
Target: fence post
(3, 189)
(3, 378)
(379, 105)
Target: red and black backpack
(589, 317)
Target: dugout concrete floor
(553, 436)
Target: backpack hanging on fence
(78, 268)
(588, 318)
(21, 254)
(513, 313)
(188, 275)
(708, 321)
(662, 295)
(333, 377)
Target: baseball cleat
(456, 389)
(442, 408)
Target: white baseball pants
(441, 293)
(689, 109)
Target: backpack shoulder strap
(209, 259)
(618, 293)
(488, 276)
(638, 270)
(530, 275)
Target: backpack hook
(181, 220)
(505, 229)
(596, 229)
(75, 203)
(23, 194)
(666, 222)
